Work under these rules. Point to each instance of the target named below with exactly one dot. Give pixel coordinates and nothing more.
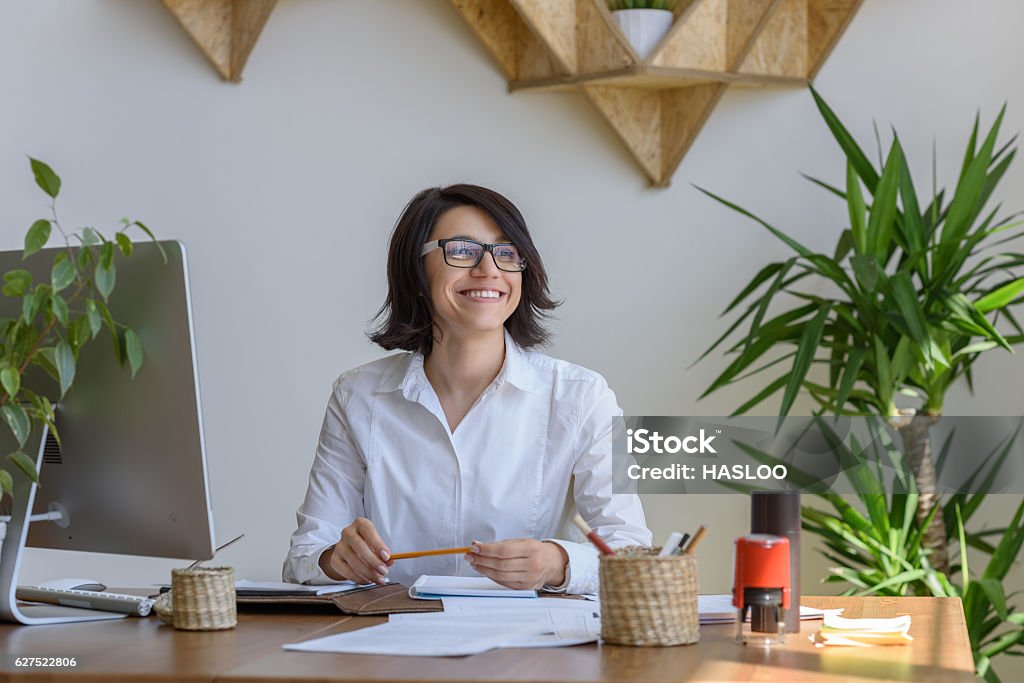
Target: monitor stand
(13, 545)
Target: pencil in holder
(648, 600)
(200, 599)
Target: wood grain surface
(144, 650)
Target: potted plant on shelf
(57, 319)
(909, 299)
(643, 22)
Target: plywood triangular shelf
(659, 104)
(225, 30)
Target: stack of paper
(837, 630)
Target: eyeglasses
(466, 253)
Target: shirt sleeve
(334, 497)
(617, 518)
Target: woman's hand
(522, 563)
(359, 556)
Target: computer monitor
(130, 474)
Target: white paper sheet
(277, 586)
(408, 638)
(507, 604)
(554, 627)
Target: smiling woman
(468, 438)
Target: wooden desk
(144, 650)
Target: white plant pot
(644, 28)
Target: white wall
(350, 107)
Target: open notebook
(429, 587)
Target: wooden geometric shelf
(225, 30)
(658, 105)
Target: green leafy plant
(58, 317)
(616, 5)
(907, 301)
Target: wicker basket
(200, 599)
(649, 600)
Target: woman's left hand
(521, 563)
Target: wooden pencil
(425, 553)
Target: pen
(678, 550)
(592, 535)
(697, 538)
(425, 553)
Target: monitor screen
(130, 472)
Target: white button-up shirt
(534, 446)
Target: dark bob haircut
(407, 316)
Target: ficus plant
(57, 318)
(915, 290)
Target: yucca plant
(907, 301)
(918, 298)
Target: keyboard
(134, 605)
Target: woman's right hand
(359, 556)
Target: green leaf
(149, 232)
(806, 350)
(92, 313)
(59, 308)
(133, 348)
(46, 179)
(910, 308)
(856, 359)
(6, 483)
(10, 378)
(63, 273)
(37, 237)
(765, 273)
(882, 218)
(762, 395)
(855, 204)
(793, 244)
(124, 242)
(17, 282)
(865, 268)
(64, 359)
(112, 326)
(853, 152)
(1000, 297)
(104, 278)
(911, 226)
(25, 464)
(107, 255)
(31, 305)
(17, 419)
(91, 237)
(994, 590)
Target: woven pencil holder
(200, 599)
(649, 600)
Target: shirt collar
(517, 370)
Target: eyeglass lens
(465, 254)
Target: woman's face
(463, 298)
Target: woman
(469, 438)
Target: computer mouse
(74, 584)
